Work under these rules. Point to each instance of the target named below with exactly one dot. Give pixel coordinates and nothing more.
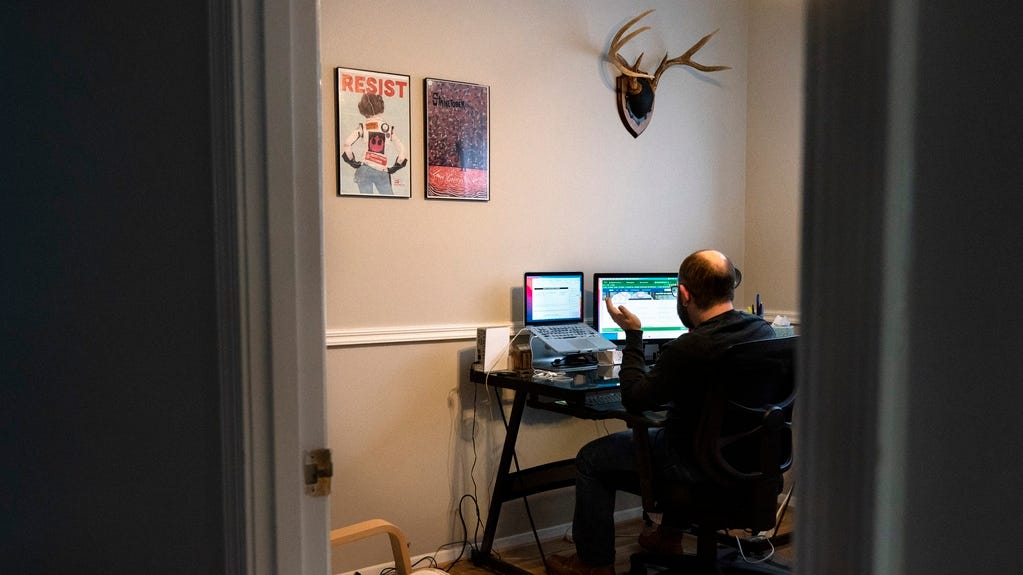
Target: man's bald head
(710, 277)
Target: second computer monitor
(648, 295)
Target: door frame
(265, 142)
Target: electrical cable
(515, 459)
(465, 531)
(784, 508)
(474, 544)
(472, 474)
(429, 559)
(738, 544)
(525, 499)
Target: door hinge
(318, 470)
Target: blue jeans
(606, 465)
(366, 178)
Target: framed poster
(373, 134)
(457, 140)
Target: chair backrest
(745, 431)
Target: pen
(760, 307)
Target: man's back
(685, 366)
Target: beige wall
(774, 140)
(408, 279)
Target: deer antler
(686, 60)
(616, 44)
(633, 71)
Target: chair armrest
(368, 528)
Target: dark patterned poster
(373, 118)
(457, 140)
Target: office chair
(399, 545)
(743, 445)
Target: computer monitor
(553, 297)
(648, 295)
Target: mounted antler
(636, 88)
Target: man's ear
(683, 294)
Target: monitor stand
(650, 353)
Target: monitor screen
(553, 297)
(648, 295)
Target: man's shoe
(572, 565)
(661, 539)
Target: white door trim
(266, 120)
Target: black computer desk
(510, 485)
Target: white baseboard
(446, 556)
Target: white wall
(570, 188)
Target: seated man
(706, 287)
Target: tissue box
(783, 327)
(784, 330)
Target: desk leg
(502, 482)
(502, 491)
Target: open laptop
(554, 313)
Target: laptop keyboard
(561, 331)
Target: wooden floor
(528, 557)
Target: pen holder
(521, 357)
